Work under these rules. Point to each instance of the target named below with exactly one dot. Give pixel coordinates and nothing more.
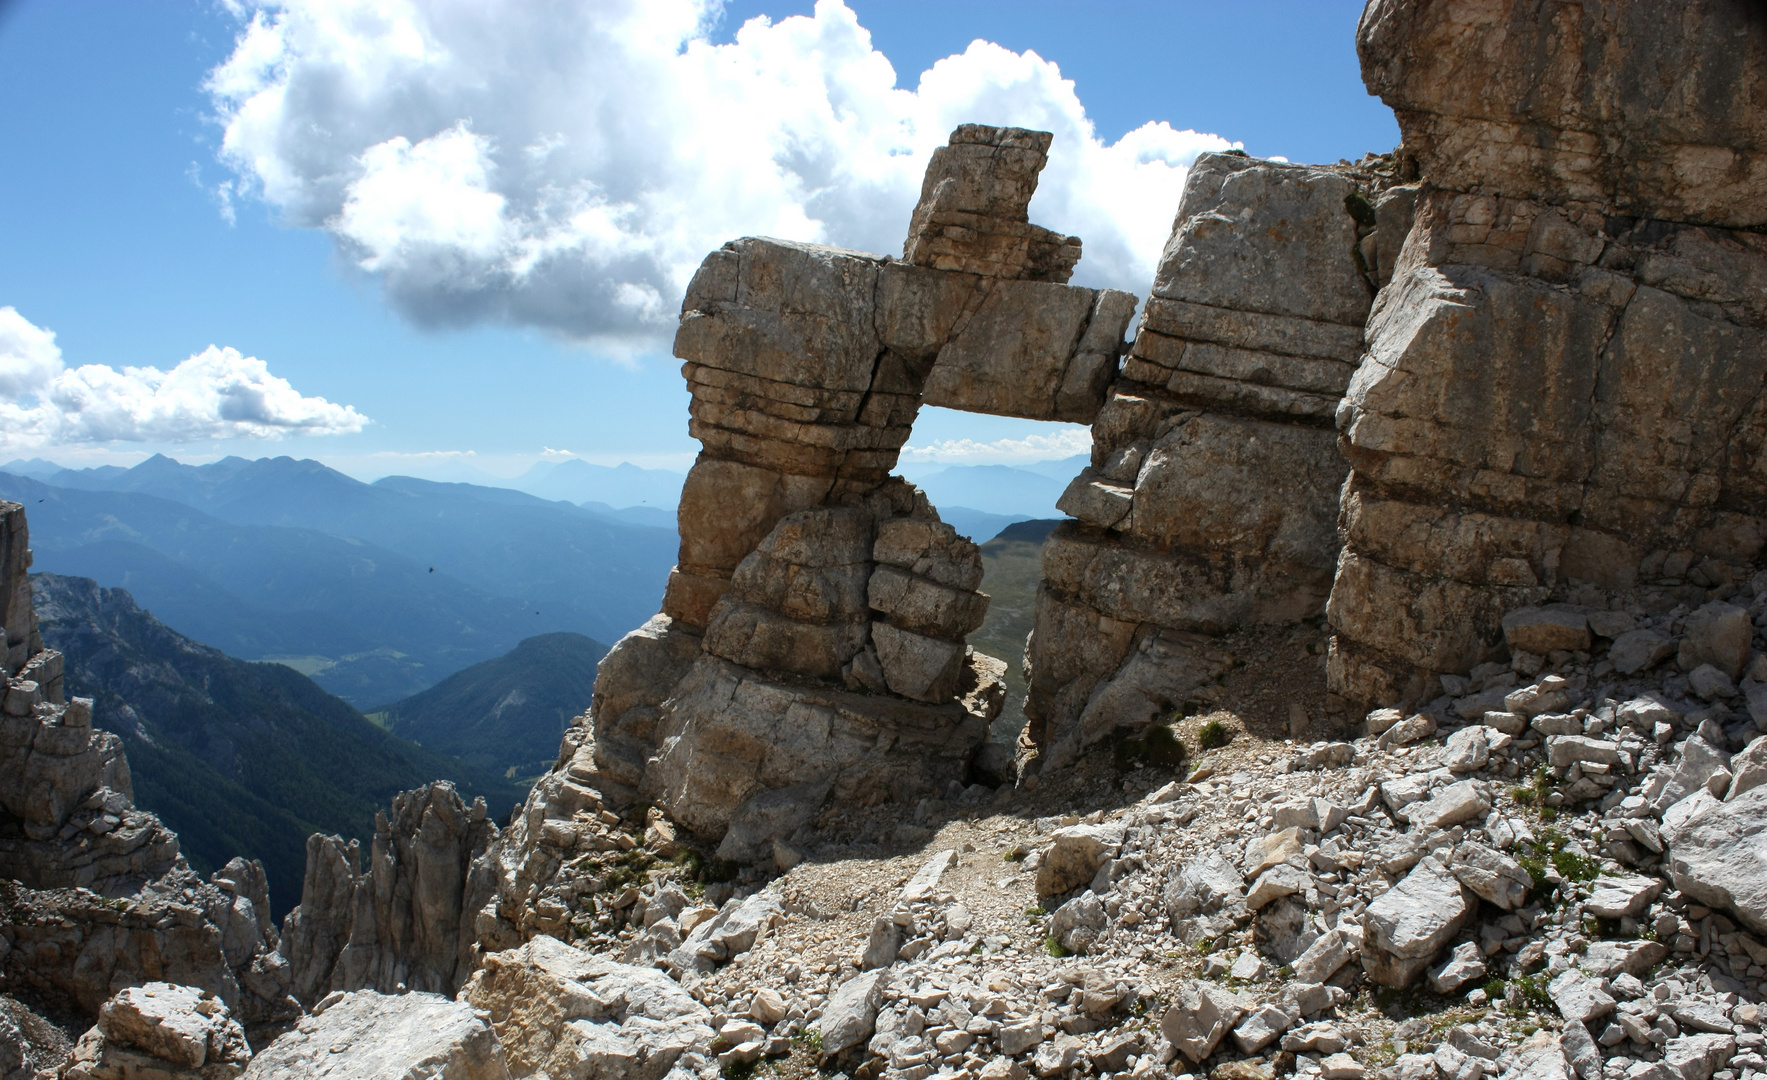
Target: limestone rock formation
(161, 1030)
(408, 922)
(68, 806)
(370, 1036)
(1211, 500)
(560, 1012)
(101, 898)
(813, 631)
(1619, 106)
(1561, 394)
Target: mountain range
(1016, 492)
(504, 714)
(376, 590)
(237, 758)
(622, 485)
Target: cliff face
(1561, 397)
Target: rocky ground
(1550, 873)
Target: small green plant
(1032, 914)
(1574, 867)
(1015, 853)
(716, 871)
(1157, 745)
(1211, 735)
(810, 1040)
(1055, 948)
(1360, 208)
(1531, 992)
(1206, 946)
(1494, 991)
(739, 1070)
(1522, 796)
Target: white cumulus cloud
(216, 394)
(567, 165)
(1063, 443)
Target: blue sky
(417, 262)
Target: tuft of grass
(1211, 735)
(1032, 914)
(716, 871)
(1532, 992)
(1015, 853)
(1494, 991)
(738, 1070)
(1055, 948)
(1157, 745)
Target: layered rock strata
(1211, 500)
(1562, 392)
(812, 634)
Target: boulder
(1206, 884)
(1698, 763)
(1405, 927)
(1078, 923)
(1718, 634)
(851, 1012)
(560, 1011)
(1639, 650)
(1621, 897)
(1453, 805)
(1718, 856)
(1464, 965)
(366, 1035)
(1749, 768)
(1331, 951)
(1074, 856)
(161, 1030)
(1580, 998)
(1491, 874)
(1198, 1019)
(1541, 630)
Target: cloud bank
(216, 394)
(566, 165)
(1065, 442)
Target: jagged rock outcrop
(409, 922)
(1561, 397)
(1211, 500)
(813, 631)
(99, 897)
(161, 1030)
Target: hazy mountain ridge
(377, 590)
(507, 713)
(238, 758)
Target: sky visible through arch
(411, 237)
